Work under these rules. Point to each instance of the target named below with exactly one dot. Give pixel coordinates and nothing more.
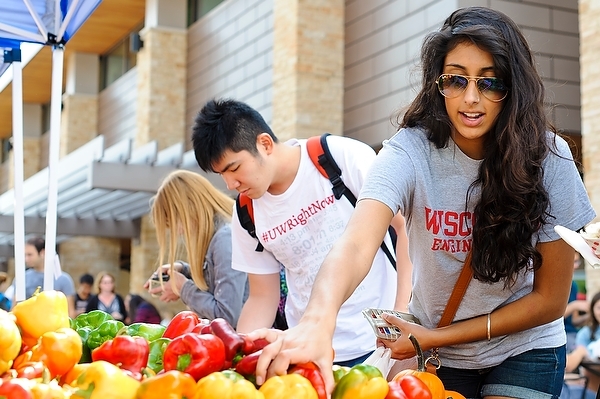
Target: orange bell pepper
(43, 312)
(10, 341)
(435, 385)
(59, 350)
(172, 384)
(71, 376)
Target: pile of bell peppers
(90, 356)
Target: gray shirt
(227, 288)
(34, 279)
(428, 186)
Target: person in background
(482, 178)
(35, 253)
(141, 311)
(107, 299)
(589, 335)
(188, 210)
(5, 302)
(576, 312)
(83, 294)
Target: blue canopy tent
(49, 23)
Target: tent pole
(50, 265)
(19, 216)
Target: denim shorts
(535, 374)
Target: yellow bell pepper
(102, 380)
(226, 384)
(59, 350)
(10, 340)
(288, 386)
(43, 312)
(363, 381)
(50, 390)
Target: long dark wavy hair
(593, 322)
(513, 202)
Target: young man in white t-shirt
(297, 220)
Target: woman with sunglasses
(475, 166)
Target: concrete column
(308, 67)
(589, 34)
(92, 255)
(161, 68)
(80, 102)
(32, 133)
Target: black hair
(223, 125)
(38, 242)
(86, 279)
(514, 201)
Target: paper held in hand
(587, 243)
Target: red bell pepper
(251, 346)
(32, 370)
(311, 372)
(16, 388)
(408, 387)
(183, 322)
(197, 355)
(129, 353)
(231, 339)
(247, 365)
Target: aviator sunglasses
(452, 86)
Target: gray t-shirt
(34, 279)
(428, 186)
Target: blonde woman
(107, 299)
(189, 211)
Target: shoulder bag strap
(457, 293)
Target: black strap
(334, 174)
(245, 216)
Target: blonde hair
(99, 278)
(186, 204)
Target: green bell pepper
(148, 331)
(84, 333)
(104, 332)
(157, 350)
(361, 381)
(91, 319)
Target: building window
(199, 8)
(117, 61)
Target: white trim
(28, 51)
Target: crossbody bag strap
(458, 292)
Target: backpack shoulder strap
(245, 213)
(318, 151)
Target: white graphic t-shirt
(299, 227)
